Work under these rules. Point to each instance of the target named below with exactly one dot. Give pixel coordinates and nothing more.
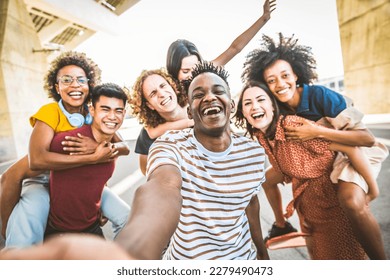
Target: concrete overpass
(33, 31)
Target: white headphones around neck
(76, 119)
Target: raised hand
(268, 8)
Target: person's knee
(36, 194)
(351, 196)
(35, 201)
(114, 208)
(26, 225)
(353, 205)
(120, 221)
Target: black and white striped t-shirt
(217, 187)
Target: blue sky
(149, 27)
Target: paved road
(127, 178)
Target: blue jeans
(27, 222)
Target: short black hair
(205, 67)
(109, 90)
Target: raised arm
(159, 130)
(362, 165)
(40, 157)
(154, 215)
(241, 41)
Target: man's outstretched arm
(155, 214)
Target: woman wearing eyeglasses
(69, 81)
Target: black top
(143, 142)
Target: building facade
(365, 42)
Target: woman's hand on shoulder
(80, 145)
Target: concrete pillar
(21, 78)
(365, 40)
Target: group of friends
(200, 197)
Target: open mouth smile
(111, 125)
(76, 94)
(166, 101)
(257, 115)
(283, 91)
(211, 111)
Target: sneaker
(276, 231)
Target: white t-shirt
(217, 188)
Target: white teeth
(213, 110)
(283, 91)
(257, 115)
(110, 124)
(166, 101)
(75, 93)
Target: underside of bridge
(32, 33)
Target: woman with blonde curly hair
(69, 81)
(140, 100)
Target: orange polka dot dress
(307, 165)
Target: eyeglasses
(68, 80)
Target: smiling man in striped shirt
(200, 199)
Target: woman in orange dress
(307, 165)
